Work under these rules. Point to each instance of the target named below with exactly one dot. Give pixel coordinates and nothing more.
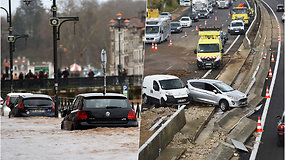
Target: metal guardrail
(25, 84)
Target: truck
(185, 3)
(209, 49)
(199, 5)
(157, 30)
(152, 13)
(240, 12)
(224, 3)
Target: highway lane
(268, 148)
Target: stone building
(126, 46)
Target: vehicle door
(211, 94)
(156, 91)
(197, 91)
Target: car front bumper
(208, 64)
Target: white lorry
(157, 30)
(199, 5)
(224, 3)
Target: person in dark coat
(91, 73)
(65, 73)
(21, 76)
(30, 75)
(41, 74)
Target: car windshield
(203, 11)
(37, 102)
(223, 87)
(208, 48)
(237, 24)
(106, 102)
(12, 100)
(184, 19)
(164, 14)
(152, 29)
(171, 84)
(239, 11)
(175, 24)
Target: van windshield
(237, 24)
(208, 48)
(223, 87)
(152, 29)
(171, 84)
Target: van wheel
(145, 99)
(162, 103)
(224, 105)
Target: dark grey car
(175, 27)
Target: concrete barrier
(152, 148)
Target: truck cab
(209, 49)
(240, 12)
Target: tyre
(224, 105)
(162, 103)
(145, 99)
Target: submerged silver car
(215, 92)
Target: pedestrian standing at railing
(91, 73)
(30, 75)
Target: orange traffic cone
(278, 27)
(264, 57)
(267, 93)
(170, 42)
(279, 38)
(197, 28)
(152, 45)
(272, 58)
(270, 72)
(216, 19)
(229, 14)
(259, 127)
(185, 34)
(155, 47)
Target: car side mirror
(278, 118)
(215, 91)
(195, 51)
(187, 86)
(222, 50)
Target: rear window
(106, 102)
(12, 100)
(37, 102)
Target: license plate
(208, 64)
(38, 110)
(181, 100)
(236, 31)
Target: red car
(280, 129)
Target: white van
(185, 3)
(157, 30)
(164, 90)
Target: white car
(283, 17)
(164, 90)
(185, 21)
(165, 15)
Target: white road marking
(266, 106)
(207, 73)
(169, 68)
(232, 44)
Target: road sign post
(104, 63)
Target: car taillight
(81, 115)
(8, 101)
(281, 127)
(52, 106)
(132, 115)
(21, 106)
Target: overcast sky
(16, 3)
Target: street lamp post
(120, 23)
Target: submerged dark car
(97, 110)
(175, 27)
(33, 105)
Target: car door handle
(151, 91)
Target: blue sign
(125, 91)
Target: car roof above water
(36, 96)
(101, 94)
(17, 94)
(160, 77)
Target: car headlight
(218, 58)
(199, 59)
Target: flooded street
(42, 138)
